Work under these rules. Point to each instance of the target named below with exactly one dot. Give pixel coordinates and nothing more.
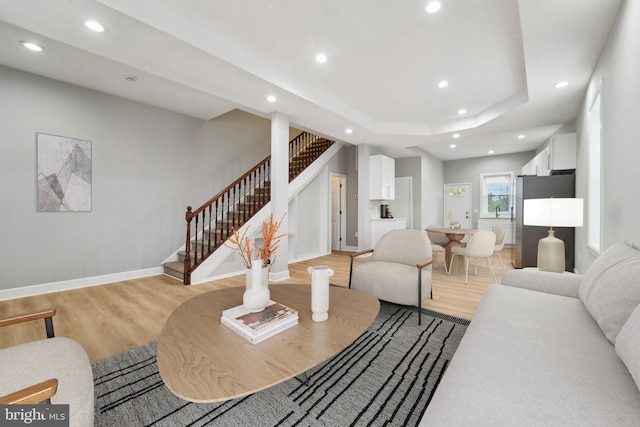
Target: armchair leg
(419, 297)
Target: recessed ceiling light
(442, 84)
(32, 46)
(521, 136)
(433, 6)
(271, 98)
(94, 26)
(130, 78)
(455, 135)
(561, 84)
(321, 58)
(462, 111)
(491, 151)
(349, 131)
(452, 146)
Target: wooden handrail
(215, 220)
(230, 186)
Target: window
(457, 191)
(497, 193)
(594, 171)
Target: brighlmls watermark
(34, 415)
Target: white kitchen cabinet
(562, 153)
(539, 165)
(488, 224)
(380, 227)
(382, 178)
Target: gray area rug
(386, 377)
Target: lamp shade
(552, 212)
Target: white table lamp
(552, 212)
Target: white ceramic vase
(256, 296)
(320, 292)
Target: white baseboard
(280, 275)
(46, 288)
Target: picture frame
(64, 174)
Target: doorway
(457, 200)
(338, 212)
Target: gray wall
(469, 170)
(619, 67)
(427, 172)
(344, 163)
(432, 190)
(148, 165)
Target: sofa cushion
(534, 359)
(628, 345)
(389, 281)
(610, 288)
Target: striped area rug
(386, 377)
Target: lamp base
(551, 254)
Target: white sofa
(550, 349)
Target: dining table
(454, 238)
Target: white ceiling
(205, 57)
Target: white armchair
(55, 370)
(399, 270)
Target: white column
(280, 190)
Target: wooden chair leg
(466, 273)
(450, 264)
(501, 263)
(491, 268)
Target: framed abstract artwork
(64, 174)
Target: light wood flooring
(112, 318)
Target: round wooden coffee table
(201, 360)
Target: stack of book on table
(256, 327)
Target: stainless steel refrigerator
(525, 250)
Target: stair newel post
(186, 279)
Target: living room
(150, 163)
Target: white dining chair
(501, 234)
(438, 240)
(480, 245)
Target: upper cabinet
(562, 154)
(382, 178)
(539, 165)
(559, 157)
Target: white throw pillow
(610, 289)
(628, 345)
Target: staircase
(209, 226)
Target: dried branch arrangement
(266, 253)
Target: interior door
(338, 217)
(457, 201)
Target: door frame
(342, 242)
